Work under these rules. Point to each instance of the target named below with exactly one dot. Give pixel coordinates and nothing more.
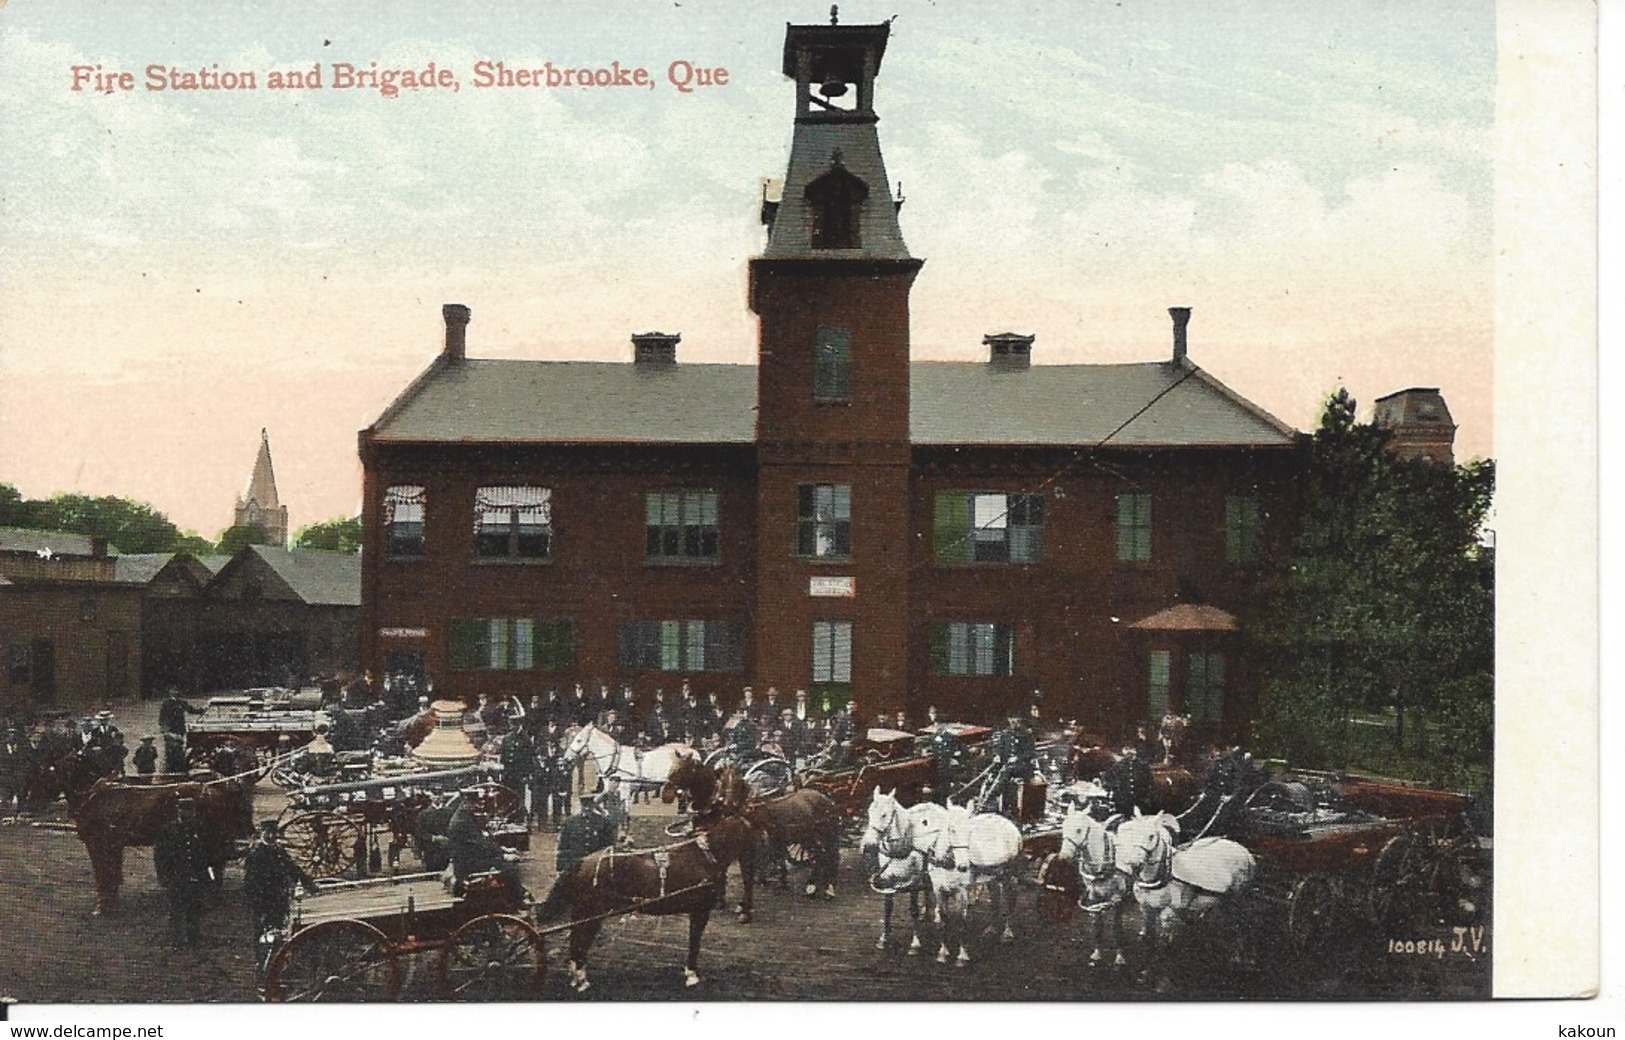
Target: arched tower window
(835, 201)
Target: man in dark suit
(182, 865)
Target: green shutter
(939, 648)
(466, 639)
(951, 527)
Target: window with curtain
(403, 520)
(513, 522)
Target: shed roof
(1155, 404)
(59, 543)
(316, 576)
(139, 568)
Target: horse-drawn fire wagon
(1338, 850)
(351, 940)
(258, 723)
(354, 828)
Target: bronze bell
(447, 746)
(833, 88)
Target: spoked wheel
(334, 961)
(322, 844)
(493, 958)
(1399, 882)
(769, 776)
(490, 802)
(1311, 913)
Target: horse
(110, 816)
(1089, 846)
(807, 818)
(897, 841)
(969, 850)
(1170, 883)
(678, 879)
(1174, 788)
(633, 769)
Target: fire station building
(837, 517)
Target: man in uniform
(105, 745)
(16, 764)
(1015, 757)
(658, 728)
(748, 708)
(146, 757)
(181, 863)
(1171, 733)
(586, 833)
(605, 705)
(518, 757)
(172, 724)
(552, 777)
(472, 850)
(270, 877)
(1128, 782)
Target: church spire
(259, 506)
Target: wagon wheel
(323, 844)
(493, 958)
(334, 961)
(1310, 914)
(769, 776)
(1399, 882)
(1055, 901)
(492, 802)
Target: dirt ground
(56, 951)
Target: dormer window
(835, 201)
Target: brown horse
(1174, 789)
(805, 818)
(679, 879)
(111, 815)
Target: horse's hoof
(915, 947)
(1007, 937)
(744, 917)
(942, 956)
(812, 890)
(829, 892)
(691, 978)
(963, 960)
(1095, 959)
(880, 943)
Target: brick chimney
(1182, 318)
(655, 349)
(456, 316)
(1009, 349)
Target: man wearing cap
(1015, 756)
(172, 724)
(518, 755)
(182, 865)
(104, 744)
(146, 757)
(1129, 782)
(16, 763)
(270, 877)
(552, 777)
(592, 829)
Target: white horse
(1171, 883)
(900, 840)
(970, 850)
(1090, 847)
(633, 769)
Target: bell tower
(830, 291)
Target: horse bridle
(1164, 854)
(894, 832)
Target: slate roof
(813, 151)
(316, 576)
(139, 568)
(1154, 404)
(60, 543)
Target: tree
(341, 535)
(233, 538)
(128, 525)
(1386, 605)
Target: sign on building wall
(829, 586)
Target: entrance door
(42, 671)
(118, 665)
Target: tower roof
(262, 482)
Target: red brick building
(836, 517)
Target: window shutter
(951, 527)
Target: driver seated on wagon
(475, 852)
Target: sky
(180, 269)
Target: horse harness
(661, 858)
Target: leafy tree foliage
(341, 535)
(130, 526)
(233, 538)
(1386, 607)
